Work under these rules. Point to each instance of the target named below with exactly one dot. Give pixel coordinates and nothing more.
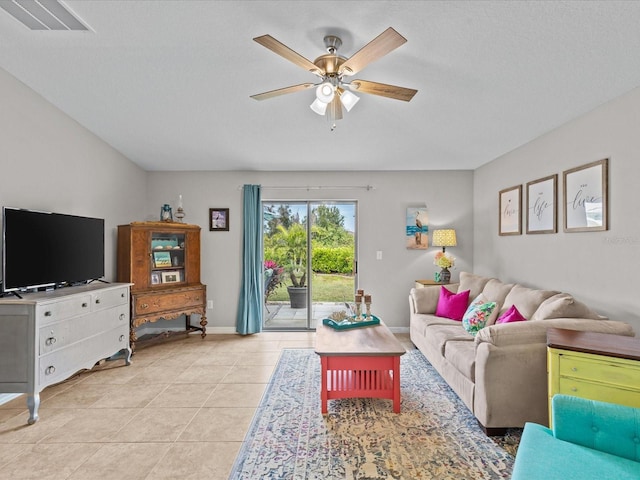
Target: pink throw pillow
(452, 305)
(511, 315)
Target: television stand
(12, 293)
(47, 337)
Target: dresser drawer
(63, 363)
(159, 302)
(601, 392)
(69, 307)
(58, 335)
(109, 298)
(604, 371)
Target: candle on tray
(358, 307)
(367, 302)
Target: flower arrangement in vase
(445, 262)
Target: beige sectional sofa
(501, 373)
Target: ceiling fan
(334, 91)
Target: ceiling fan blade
(384, 90)
(281, 49)
(282, 91)
(384, 43)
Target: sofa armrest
(425, 300)
(609, 428)
(536, 331)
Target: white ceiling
(167, 83)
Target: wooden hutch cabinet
(162, 261)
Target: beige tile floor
(180, 410)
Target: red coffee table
(360, 362)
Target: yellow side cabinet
(593, 376)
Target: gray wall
(381, 226)
(49, 162)
(599, 268)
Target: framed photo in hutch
(219, 219)
(586, 197)
(510, 211)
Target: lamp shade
(444, 238)
(325, 92)
(348, 99)
(319, 107)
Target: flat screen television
(43, 249)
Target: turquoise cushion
(542, 456)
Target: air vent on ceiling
(42, 14)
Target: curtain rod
(317, 187)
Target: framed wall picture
(585, 195)
(509, 211)
(542, 200)
(171, 276)
(219, 219)
(417, 226)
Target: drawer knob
(48, 313)
(121, 338)
(49, 370)
(574, 369)
(97, 300)
(122, 295)
(122, 316)
(85, 304)
(144, 305)
(574, 389)
(50, 341)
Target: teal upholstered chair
(589, 440)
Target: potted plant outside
(292, 244)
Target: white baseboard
(7, 397)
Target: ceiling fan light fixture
(348, 99)
(319, 107)
(325, 92)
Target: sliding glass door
(309, 253)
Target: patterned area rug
(434, 437)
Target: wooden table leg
(396, 384)
(323, 383)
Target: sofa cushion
(452, 305)
(462, 355)
(511, 315)
(439, 335)
(564, 305)
(473, 283)
(496, 291)
(526, 299)
(477, 314)
(425, 300)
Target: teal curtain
(250, 304)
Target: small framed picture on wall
(509, 211)
(219, 219)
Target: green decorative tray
(347, 324)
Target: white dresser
(46, 337)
